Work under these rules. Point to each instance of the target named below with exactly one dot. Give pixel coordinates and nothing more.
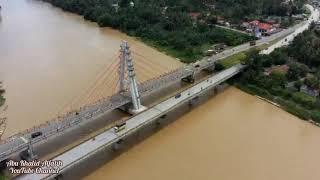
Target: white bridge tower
(126, 65)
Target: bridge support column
(117, 145)
(210, 69)
(158, 121)
(29, 153)
(189, 79)
(122, 68)
(192, 101)
(136, 101)
(59, 177)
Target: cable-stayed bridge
(114, 88)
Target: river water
(49, 57)
(232, 136)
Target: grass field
(233, 60)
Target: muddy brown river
(232, 136)
(49, 58)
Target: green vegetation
(181, 28)
(233, 60)
(239, 9)
(166, 24)
(289, 76)
(2, 177)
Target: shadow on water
(108, 154)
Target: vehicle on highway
(177, 96)
(220, 46)
(120, 127)
(211, 52)
(253, 43)
(36, 134)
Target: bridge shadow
(108, 154)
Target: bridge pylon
(126, 66)
(28, 154)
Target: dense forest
(170, 24)
(236, 9)
(165, 24)
(289, 75)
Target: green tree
(296, 71)
(278, 78)
(312, 82)
(298, 84)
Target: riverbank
(289, 75)
(286, 103)
(172, 30)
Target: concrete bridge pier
(215, 91)
(158, 121)
(28, 154)
(117, 145)
(210, 69)
(59, 177)
(193, 101)
(129, 108)
(126, 108)
(3, 164)
(189, 79)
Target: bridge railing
(72, 119)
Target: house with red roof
(264, 27)
(194, 15)
(261, 27)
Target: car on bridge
(120, 127)
(36, 134)
(177, 96)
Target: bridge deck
(109, 137)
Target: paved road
(313, 17)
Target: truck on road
(253, 43)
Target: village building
(309, 91)
(261, 28)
